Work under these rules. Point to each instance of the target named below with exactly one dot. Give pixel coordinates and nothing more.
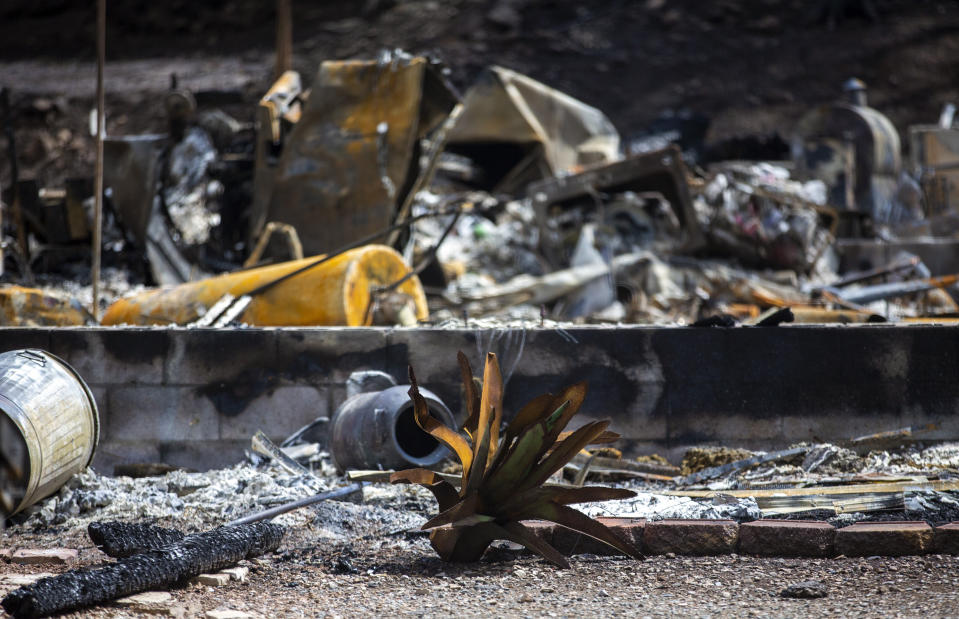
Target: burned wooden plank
(125, 539)
(154, 569)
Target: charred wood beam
(125, 539)
(154, 569)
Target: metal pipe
(98, 172)
(284, 37)
(288, 507)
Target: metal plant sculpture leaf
(504, 478)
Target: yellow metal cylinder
(336, 292)
(31, 307)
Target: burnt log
(125, 539)
(160, 568)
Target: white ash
(201, 501)
(659, 507)
(912, 460)
(190, 501)
(825, 460)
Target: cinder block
(887, 539)
(114, 355)
(278, 413)
(329, 355)
(161, 414)
(691, 537)
(673, 346)
(721, 424)
(787, 538)
(933, 353)
(432, 355)
(15, 338)
(835, 422)
(113, 452)
(203, 455)
(220, 357)
(947, 539)
(876, 355)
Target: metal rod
(288, 507)
(284, 37)
(98, 172)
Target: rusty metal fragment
(350, 158)
(520, 130)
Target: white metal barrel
(49, 426)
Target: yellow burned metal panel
(31, 307)
(336, 292)
(348, 159)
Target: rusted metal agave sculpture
(504, 478)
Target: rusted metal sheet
(528, 131)
(348, 162)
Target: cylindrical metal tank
(49, 426)
(871, 135)
(378, 430)
(336, 292)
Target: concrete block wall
(193, 397)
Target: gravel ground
(385, 578)
(369, 558)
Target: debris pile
(513, 201)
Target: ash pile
(841, 484)
(192, 501)
(510, 202)
(871, 478)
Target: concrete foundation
(193, 397)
